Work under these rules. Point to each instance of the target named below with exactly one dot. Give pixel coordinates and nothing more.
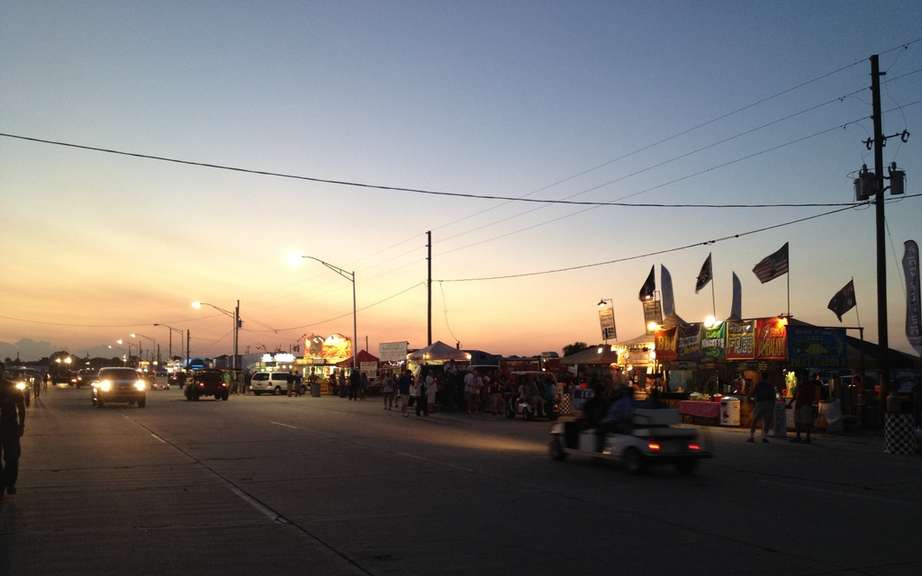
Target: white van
(273, 382)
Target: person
(12, 427)
(414, 392)
(497, 405)
(403, 387)
(619, 419)
(422, 396)
(764, 410)
(355, 384)
(290, 384)
(228, 380)
(469, 389)
(535, 397)
(804, 396)
(364, 389)
(432, 390)
(388, 389)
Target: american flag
(772, 266)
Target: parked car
(208, 382)
(273, 382)
(25, 381)
(119, 384)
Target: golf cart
(656, 439)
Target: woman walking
(388, 390)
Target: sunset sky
(476, 97)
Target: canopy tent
(438, 353)
(594, 355)
(364, 356)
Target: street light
(139, 336)
(125, 359)
(171, 330)
(350, 276)
(235, 315)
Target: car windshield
(261, 376)
(118, 373)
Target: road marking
(158, 438)
(283, 424)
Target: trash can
(729, 411)
(315, 389)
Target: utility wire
(660, 252)
(445, 311)
(347, 314)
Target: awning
(438, 353)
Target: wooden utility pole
(429, 288)
(883, 343)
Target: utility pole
(188, 338)
(883, 343)
(236, 330)
(429, 288)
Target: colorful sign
(771, 339)
(666, 344)
(913, 298)
(607, 323)
(689, 342)
(741, 340)
(816, 347)
(330, 350)
(713, 342)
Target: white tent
(438, 353)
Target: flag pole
(857, 314)
(788, 275)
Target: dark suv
(206, 382)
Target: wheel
(556, 448)
(633, 461)
(686, 467)
(142, 402)
(225, 396)
(100, 404)
(278, 391)
(257, 392)
(195, 396)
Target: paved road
(326, 486)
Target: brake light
(694, 446)
(224, 384)
(201, 384)
(654, 446)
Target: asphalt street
(275, 485)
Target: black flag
(649, 287)
(705, 276)
(773, 266)
(844, 300)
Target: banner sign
(713, 342)
(741, 340)
(666, 344)
(771, 339)
(330, 350)
(815, 347)
(689, 345)
(652, 312)
(392, 351)
(913, 306)
(607, 323)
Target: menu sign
(741, 340)
(713, 342)
(652, 312)
(689, 342)
(815, 347)
(666, 342)
(771, 339)
(392, 351)
(607, 323)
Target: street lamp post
(235, 315)
(350, 276)
(139, 336)
(171, 330)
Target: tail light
(654, 446)
(694, 446)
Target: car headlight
(105, 385)
(140, 385)
(20, 385)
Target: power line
(660, 252)
(347, 314)
(445, 311)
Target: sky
(502, 98)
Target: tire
(556, 449)
(195, 396)
(225, 396)
(633, 461)
(100, 403)
(277, 391)
(257, 393)
(686, 467)
(142, 402)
